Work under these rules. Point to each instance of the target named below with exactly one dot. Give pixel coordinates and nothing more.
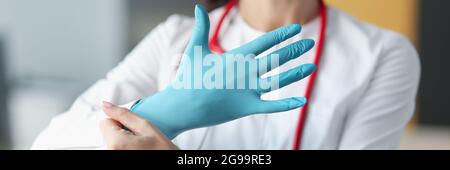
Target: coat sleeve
(135, 77)
(378, 119)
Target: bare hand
(127, 131)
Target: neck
(267, 15)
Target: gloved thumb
(281, 105)
(200, 35)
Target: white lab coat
(364, 95)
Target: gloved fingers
(268, 40)
(284, 55)
(281, 105)
(286, 78)
(200, 34)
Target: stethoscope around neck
(215, 47)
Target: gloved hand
(188, 104)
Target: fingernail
(308, 69)
(107, 104)
(297, 102)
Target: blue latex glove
(175, 110)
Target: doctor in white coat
(362, 98)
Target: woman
(364, 92)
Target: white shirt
(363, 97)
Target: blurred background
(52, 50)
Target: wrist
(147, 109)
(159, 140)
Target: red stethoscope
(215, 46)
